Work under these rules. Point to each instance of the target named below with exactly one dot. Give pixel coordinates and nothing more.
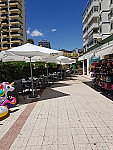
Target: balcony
(16, 40)
(4, 16)
(85, 42)
(2, 4)
(85, 25)
(4, 22)
(4, 10)
(94, 15)
(13, 3)
(5, 48)
(15, 28)
(5, 35)
(15, 16)
(16, 34)
(94, 25)
(5, 28)
(20, 1)
(15, 45)
(5, 41)
(85, 35)
(15, 22)
(15, 9)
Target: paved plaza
(69, 116)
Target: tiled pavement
(69, 116)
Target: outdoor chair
(50, 78)
(26, 86)
(37, 85)
(43, 82)
(18, 90)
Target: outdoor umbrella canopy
(30, 50)
(62, 60)
(14, 57)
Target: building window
(95, 8)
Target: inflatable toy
(3, 111)
(9, 103)
(5, 87)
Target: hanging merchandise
(94, 61)
(104, 74)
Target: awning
(101, 52)
(105, 51)
(86, 56)
(81, 58)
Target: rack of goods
(104, 73)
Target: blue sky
(58, 21)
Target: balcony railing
(15, 14)
(13, 33)
(13, 8)
(15, 20)
(15, 2)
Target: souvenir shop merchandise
(104, 74)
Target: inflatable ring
(3, 111)
(9, 103)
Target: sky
(58, 21)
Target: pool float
(9, 103)
(5, 87)
(3, 111)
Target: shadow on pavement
(102, 91)
(25, 100)
(12, 111)
(50, 94)
(59, 85)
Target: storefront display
(104, 73)
(94, 62)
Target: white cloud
(53, 30)
(36, 33)
(28, 31)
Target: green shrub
(10, 71)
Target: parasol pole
(47, 68)
(61, 69)
(31, 76)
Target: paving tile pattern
(76, 118)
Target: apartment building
(44, 43)
(12, 23)
(97, 22)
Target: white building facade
(97, 22)
(97, 31)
